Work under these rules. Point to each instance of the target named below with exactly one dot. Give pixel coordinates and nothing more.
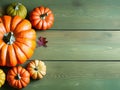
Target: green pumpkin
(17, 9)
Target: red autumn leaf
(42, 42)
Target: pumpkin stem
(36, 69)
(17, 6)
(42, 16)
(9, 38)
(18, 77)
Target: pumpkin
(42, 18)
(18, 77)
(37, 69)
(17, 9)
(17, 40)
(2, 77)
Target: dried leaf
(41, 42)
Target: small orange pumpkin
(18, 77)
(37, 69)
(17, 40)
(42, 18)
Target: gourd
(37, 69)
(17, 40)
(18, 77)
(2, 77)
(17, 8)
(42, 18)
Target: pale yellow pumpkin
(37, 69)
(2, 77)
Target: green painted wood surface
(79, 14)
(78, 34)
(79, 45)
(77, 76)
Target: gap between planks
(80, 60)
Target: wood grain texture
(79, 45)
(79, 33)
(76, 76)
(79, 14)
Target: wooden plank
(77, 76)
(79, 14)
(79, 45)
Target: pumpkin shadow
(6, 86)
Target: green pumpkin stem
(17, 6)
(9, 38)
(36, 68)
(42, 16)
(18, 77)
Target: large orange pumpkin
(42, 18)
(18, 77)
(17, 40)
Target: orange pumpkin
(18, 77)
(17, 40)
(42, 18)
(37, 69)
